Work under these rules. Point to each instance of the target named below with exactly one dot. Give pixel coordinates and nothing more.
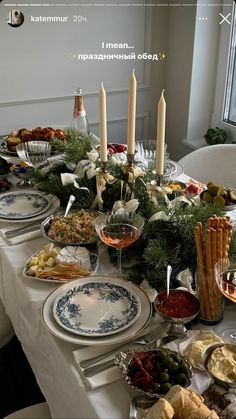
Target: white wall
(38, 75)
(178, 76)
(205, 60)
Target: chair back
(216, 163)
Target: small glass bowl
(23, 173)
(177, 325)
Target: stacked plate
(98, 310)
(20, 206)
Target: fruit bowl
(152, 372)
(219, 195)
(180, 307)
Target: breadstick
(198, 241)
(201, 284)
(200, 269)
(213, 247)
(225, 239)
(210, 222)
(209, 274)
(219, 236)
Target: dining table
(53, 359)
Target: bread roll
(188, 405)
(12, 142)
(203, 412)
(162, 409)
(212, 415)
(183, 401)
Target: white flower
(68, 178)
(117, 205)
(122, 208)
(161, 215)
(132, 205)
(85, 166)
(118, 159)
(93, 155)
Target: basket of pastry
(22, 135)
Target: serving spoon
(69, 205)
(169, 270)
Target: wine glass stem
(119, 252)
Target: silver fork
(142, 340)
(17, 232)
(95, 369)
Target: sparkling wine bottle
(79, 121)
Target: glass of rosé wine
(119, 231)
(225, 274)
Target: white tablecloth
(51, 358)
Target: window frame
(231, 71)
(224, 72)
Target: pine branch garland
(76, 147)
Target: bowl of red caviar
(181, 307)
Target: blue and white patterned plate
(96, 309)
(19, 205)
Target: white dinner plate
(94, 261)
(112, 308)
(129, 333)
(19, 205)
(54, 206)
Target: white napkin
(4, 227)
(102, 378)
(113, 373)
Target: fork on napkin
(102, 378)
(110, 374)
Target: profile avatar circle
(15, 18)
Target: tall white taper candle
(103, 124)
(161, 125)
(131, 114)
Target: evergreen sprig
(52, 184)
(169, 242)
(76, 146)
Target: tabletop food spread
(112, 339)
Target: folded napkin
(22, 237)
(102, 378)
(113, 373)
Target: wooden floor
(18, 385)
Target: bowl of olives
(219, 195)
(154, 371)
